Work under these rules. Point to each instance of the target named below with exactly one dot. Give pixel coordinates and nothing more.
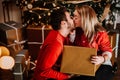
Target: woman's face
(76, 19)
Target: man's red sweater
(48, 57)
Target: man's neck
(63, 33)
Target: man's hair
(57, 16)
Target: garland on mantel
(37, 12)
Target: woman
(89, 33)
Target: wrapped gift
(114, 43)
(33, 49)
(76, 60)
(36, 36)
(11, 33)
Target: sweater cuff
(107, 53)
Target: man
(49, 58)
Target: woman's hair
(57, 16)
(89, 21)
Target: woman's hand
(72, 76)
(97, 60)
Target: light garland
(35, 7)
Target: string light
(48, 6)
(30, 6)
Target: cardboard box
(76, 60)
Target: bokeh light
(7, 62)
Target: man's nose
(73, 18)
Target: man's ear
(63, 22)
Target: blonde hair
(89, 21)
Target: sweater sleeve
(48, 58)
(104, 42)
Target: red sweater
(100, 42)
(49, 56)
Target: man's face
(76, 19)
(69, 21)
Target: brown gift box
(37, 33)
(112, 37)
(76, 60)
(11, 34)
(11, 31)
(36, 36)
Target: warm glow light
(6, 62)
(4, 51)
(0, 52)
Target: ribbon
(43, 38)
(16, 30)
(16, 42)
